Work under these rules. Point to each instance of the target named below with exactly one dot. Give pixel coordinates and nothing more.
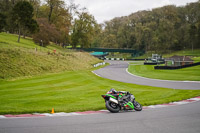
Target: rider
(123, 95)
(122, 92)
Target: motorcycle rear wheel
(112, 107)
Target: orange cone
(52, 111)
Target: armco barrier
(114, 58)
(99, 64)
(176, 67)
(153, 63)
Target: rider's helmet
(113, 90)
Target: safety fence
(99, 64)
(115, 59)
(153, 63)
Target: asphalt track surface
(117, 70)
(174, 119)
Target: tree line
(164, 29)
(50, 21)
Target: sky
(104, 10)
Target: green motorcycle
(120, 100)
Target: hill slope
(28, 59)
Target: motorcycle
(120, 100)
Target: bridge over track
(131, 51)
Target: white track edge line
(160, 79)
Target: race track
(183, 118)
(117, 70)
(176, 119)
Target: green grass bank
(36, 81)
(75, 91)
(28, 59)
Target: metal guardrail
(115, 59)
(99, 64)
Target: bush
(47, 33)
(41, 38)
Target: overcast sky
(104, 10)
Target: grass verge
(28, 59)
(75, 91)
(68, 91)
(190, 73)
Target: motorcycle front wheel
(137, 106)
(112, 107)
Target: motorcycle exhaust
(113, 100)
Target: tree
(162, 29)
(83, 30)
(193, 35)
(58, 15)
(22, 15)
(47, 33)
(36, 6)
(110, 41)
(52, 4)
(2, 21)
